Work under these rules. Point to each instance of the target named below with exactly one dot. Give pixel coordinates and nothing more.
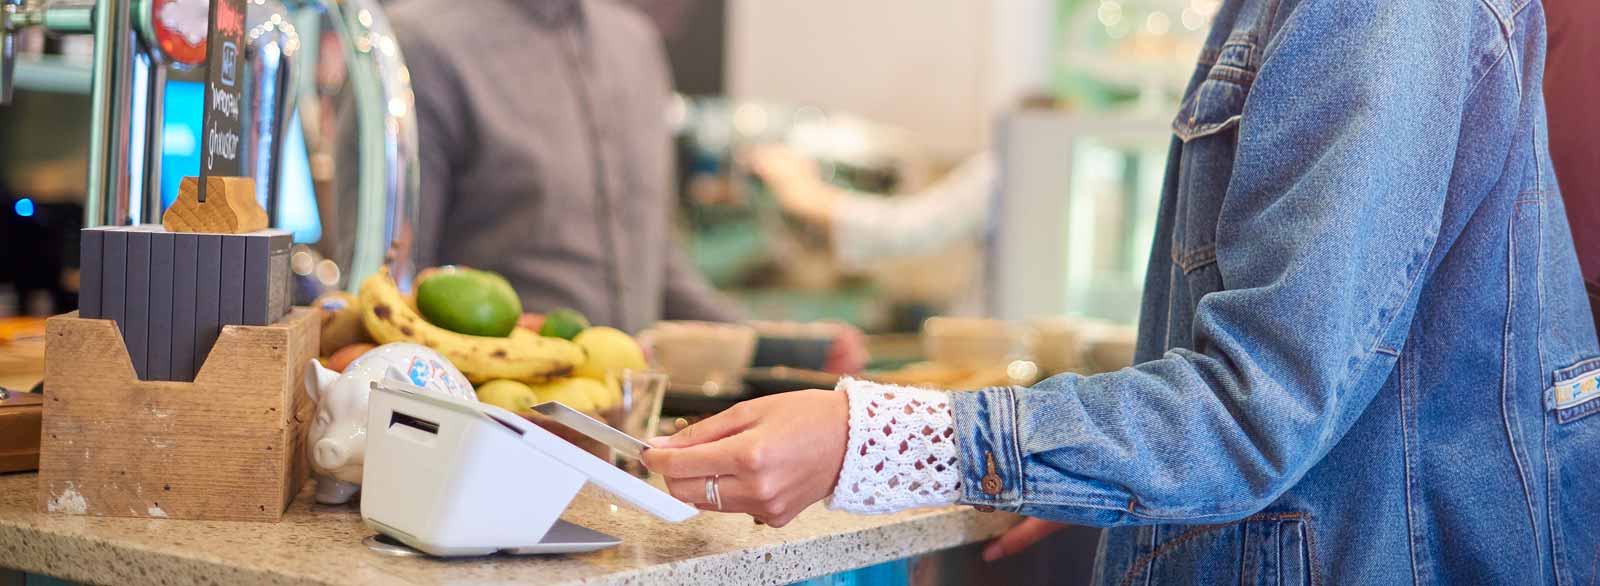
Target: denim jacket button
(991, 481)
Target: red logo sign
(229, 21)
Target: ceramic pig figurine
(337, 441)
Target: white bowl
(709, 356)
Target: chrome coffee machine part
(75, 17)
(131, 63)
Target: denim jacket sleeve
(1346, 149)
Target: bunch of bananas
(524, 355)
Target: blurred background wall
(939, 68)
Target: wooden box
(224, 447)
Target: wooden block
(20, 415)
(227, 446)
(21, 363)
(230, 207)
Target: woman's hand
(848, 354)
(794, 181)
(1020, 537)
(773, 456)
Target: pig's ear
(318, 379)
(394, 374)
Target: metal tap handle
(59, 16)
(64, 17)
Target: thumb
(710, 429)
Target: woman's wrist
(901, 452)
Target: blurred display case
(1080, 189)
(1078, 202)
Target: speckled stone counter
(316, 544)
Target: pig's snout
(331, 454)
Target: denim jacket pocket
(1215, 106)
(1217, 103)
(1266, 549)
(1573, 460)
(1207, 124)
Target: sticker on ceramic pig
(337, 440)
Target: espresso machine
(327, 92)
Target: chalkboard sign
(224, 81)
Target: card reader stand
(455, 478)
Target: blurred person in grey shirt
(546, 155)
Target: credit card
(593, 428)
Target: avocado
(469, 301)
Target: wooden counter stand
(224, 447)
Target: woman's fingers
(689, 490)
(737, 496)
(1019, 538)
(693, 490)
(694, 461)
(772, 467)
(710, 429)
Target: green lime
(563, 323)
(468, 301)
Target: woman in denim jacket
(1365, 351)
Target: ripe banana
(524, 355)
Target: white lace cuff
(901, 454)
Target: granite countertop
(318, 544)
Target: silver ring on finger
(713, 494)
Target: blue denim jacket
(1365, 353)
